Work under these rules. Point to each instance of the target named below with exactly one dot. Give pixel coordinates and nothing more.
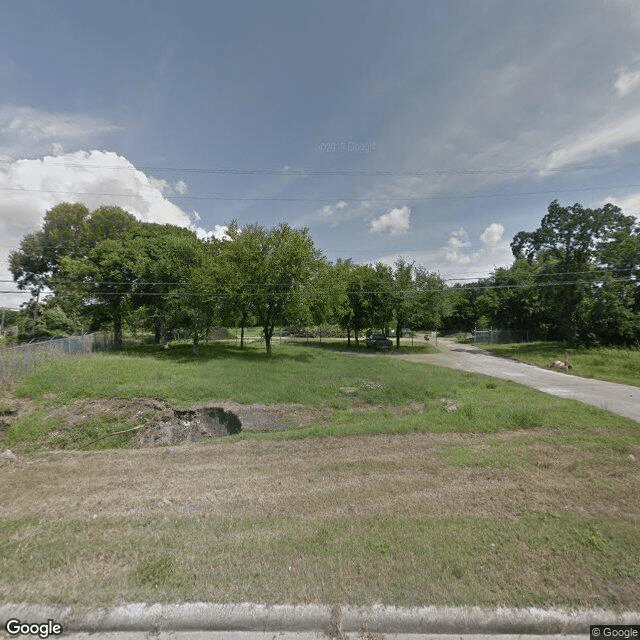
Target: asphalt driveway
(617, 398)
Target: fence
(16, 361)
(500, 336)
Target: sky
(433, 130)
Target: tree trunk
(398, 332)
(194, 348)
(243, 322)
(117, 329)
(268, 332)
(348, 336)
(160, 332)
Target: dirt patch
(190, 425)
(261, 418)
(154, 423)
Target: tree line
(107, 268)
(575, 278)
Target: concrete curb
(466, 620)
(193, 616)
(202, 616)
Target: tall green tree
(403, 296)
(165, 256)
(326, 295)
(196, 304)
(278, 264)
(569, 246)
(380, 300)
(69, 232)
(238, 279)
(359, 282)
(430, 301)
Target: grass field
(615, 365)
(415, 485)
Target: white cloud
(602, 138)
(25, 131)
(181, 187)
(457, 250)
(492, 234)
(626, 81)
(328, 210)
(395, 222)
(29, 188)
(219, 232)
(629, 204)
(161, 185)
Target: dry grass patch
(433, 474)
(404, 520)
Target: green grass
(386, 389)
(603, 363)
(536, 559)
(527, 553)
(295, 373)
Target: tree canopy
(575, 278)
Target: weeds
(615, 365)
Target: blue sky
(433, 130)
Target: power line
(332, 198)
(406, 292)
(341, 172)
(600, 271)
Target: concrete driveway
(617, 398)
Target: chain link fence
(501, 336)
(17, 361)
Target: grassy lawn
(417, 486)
(603, 363)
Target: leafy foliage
(575, 278)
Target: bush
(328, 331)
(221, 333)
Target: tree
(511, 297)
(101, 282)
(380, 298)
(164, 256)
(430, 301)
(69, 232)
(196, 304)
(277, 265)
(359, 279)
(570, 247)
(326, 296)
(236, 255)
(403, 295)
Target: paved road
(617, 398)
